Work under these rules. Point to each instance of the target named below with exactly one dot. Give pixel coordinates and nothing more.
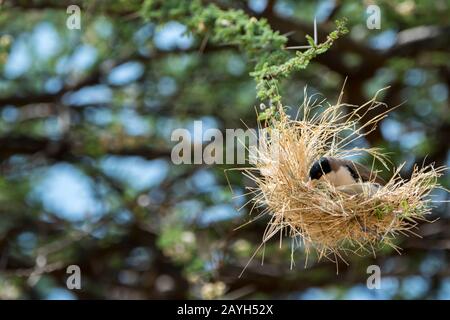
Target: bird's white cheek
(343, 177)
(329, 177)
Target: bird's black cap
(319, 168)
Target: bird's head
(319, 168)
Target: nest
(325, 218)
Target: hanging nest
(326, 218)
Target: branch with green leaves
(268, 75)
(252, 36)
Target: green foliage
(268, 75)
(224, 27)
(383, 210)
(253, 36)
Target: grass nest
(325, 218)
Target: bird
(346, 175)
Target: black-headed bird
(346, 175)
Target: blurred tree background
(85, 171)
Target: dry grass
(322, 217)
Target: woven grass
(325, 218)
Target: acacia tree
(99, 104)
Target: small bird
(348, 176)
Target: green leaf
(263, 116)
(310, 41)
